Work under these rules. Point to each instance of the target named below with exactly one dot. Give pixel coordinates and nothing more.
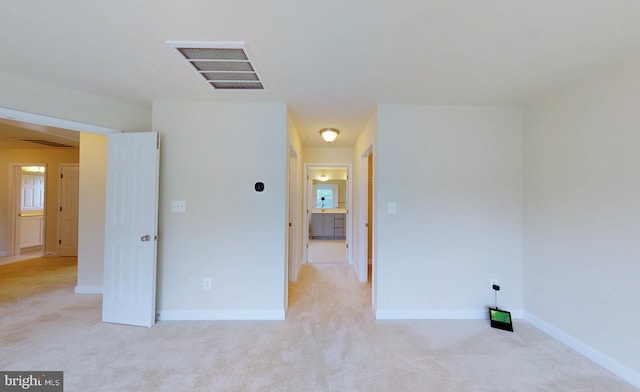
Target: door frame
(60, 169)
(293, 263)
(15, 186)
(363, 225)
(307, 207)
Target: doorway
(23, 125)
(68, 185)
(328, 213)
(28, 199)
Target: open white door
(129, 293)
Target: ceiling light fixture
(329, 134)
(33, 169)
(323, 178)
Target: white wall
(582, 217)
(455, 176)
(91, 203)
(328, 154)
(211, 156)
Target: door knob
(145, 238)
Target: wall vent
(46, 142)
(224, 65)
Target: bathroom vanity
(327, 224)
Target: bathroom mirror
(329, 188)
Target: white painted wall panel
(211, 156)
(454, 174)
(582, 214)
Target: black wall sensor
(259, 187)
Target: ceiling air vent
(225, 66)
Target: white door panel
(131, 229)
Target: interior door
(68, 211)
(131, 216)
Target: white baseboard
(615, 367)
(469, 314)
(87, 289)
(164, 315)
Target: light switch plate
(178, 206)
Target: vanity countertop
(328, 210)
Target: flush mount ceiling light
(329, 134)
(224, 65)
(33, 169)
(323, 178)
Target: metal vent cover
(224, 65)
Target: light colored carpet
(329, 342)
(327, 251)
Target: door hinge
(59, 242)
(347, 246)
(157, 141)
(60, 208)
(61, 175)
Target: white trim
(88, 289)
(16, 115)
(292, 265)
(363, 225)
(414, 314)
(227, 315)
(629, 375)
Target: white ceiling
(331, 61)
